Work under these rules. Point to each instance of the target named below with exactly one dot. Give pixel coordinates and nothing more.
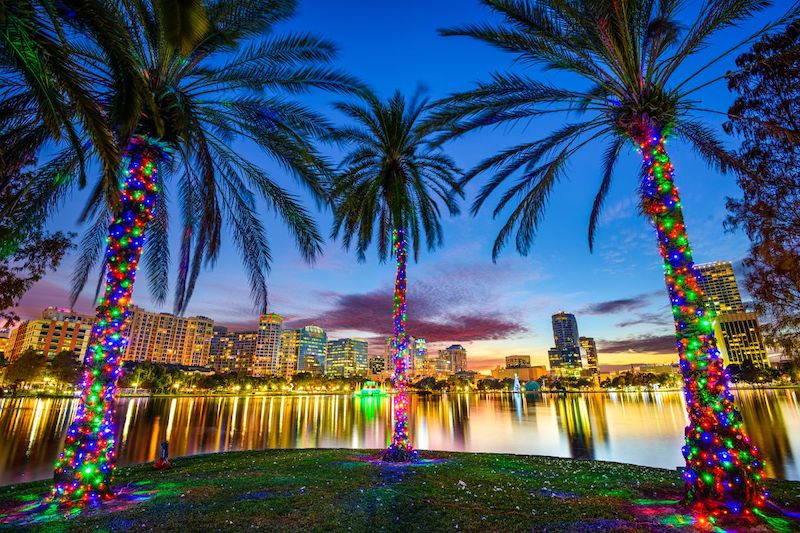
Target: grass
(347, 490)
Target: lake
(640, 428)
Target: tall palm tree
(230, 88)
(630, 84)
(392, 183)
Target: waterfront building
(5, 335)
(718, 282)
(290, 351)
(738, 333)
(525, 373)
(518, 361)
(168, 339)
(419, 348)
(57, 330)
(377, 366)
(312, 350)
(266, 360)
(565, 357)
(589, 347)
(741, 339)
(347, 357)
(219, 352)
(457, 355)
(232, 351)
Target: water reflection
(639, 428)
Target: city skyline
(457, 294)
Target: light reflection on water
(637, 428)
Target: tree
(230, 87)
(25, 368)
(65, 368)
(766, 116)
(391, 183)
(630, 83)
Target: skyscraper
(565, 357)
(347, 357)
(312, 350)
(290, 351)
(738, 333)
(57, 330)
(266, 359)
(168, 339)
(719, 287)
(420, 353)
(457, 355)
(590, 348)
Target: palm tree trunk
(723, 470)
(84, 469)
(400, 449)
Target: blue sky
(457, 294)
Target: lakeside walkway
(349, 490)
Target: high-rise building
(565, 357)
(415, 356)
(420, 353)
(377, 366)
(590, 348)
(232, 351)
(347, 357)
(168, 339)
(219, 352)
(457, 355)
(57, 330)
(290, 350)
(741, 339)
(718, 283)
(312, 350)
(266, 360)
(738, 333)
(5, 335)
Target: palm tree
(230, 87)
(391, 183)
(629, 84)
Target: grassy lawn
(345, 490)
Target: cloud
(658, 344)
(371, 313)
(646, 318)
(634, 303)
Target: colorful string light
(84, 469)
(724, 474)
(400, 449)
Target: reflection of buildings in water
(763, 418)
(448, 412)
(583, 419)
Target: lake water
(640, 428)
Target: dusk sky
(456, 294)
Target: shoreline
(388, 393)
(341, 489)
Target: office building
(565, 356)
(58, 330)
(741, 339)
(5, 335)
(457, 355)
(377, 368)
(168, 339)
(420, 354)
(524, 373)
(738, 333)
(312, 350)
(232, 351)
(290, 350)
(718, 283)
(347, 357)
(589, 347)
(266, 361)
(518, 361)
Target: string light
(400, 448)
(724, 474)
(84, 469)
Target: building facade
(266, 360)
(518, 361)
(457, 355)
(589, 347)
(290, 349)
(524, 373)
(565, 356)
(347, 357)
(168, 339)
(58, 330)
(312, 350)
(738, 333)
